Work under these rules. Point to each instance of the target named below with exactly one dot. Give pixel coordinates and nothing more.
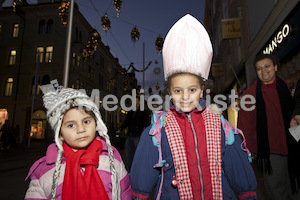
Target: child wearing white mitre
(190, 151)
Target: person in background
(266, 128)
(184, 153)
(81, 164)
(7, 136)
(136, 121)
(296, 112)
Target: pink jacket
(42, 170)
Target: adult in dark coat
(136, 121)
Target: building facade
(260, 27)
(32, 52)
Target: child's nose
(81, 128)
(186, 95)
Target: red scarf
(81, 186)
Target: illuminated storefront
(285, 44)
(38, 125)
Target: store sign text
(280, 36)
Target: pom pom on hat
(187, 48)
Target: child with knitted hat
(190, 151)
(81, 164)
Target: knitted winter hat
(58, 101)
(187, 48)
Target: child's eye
(71, 125)
(258, 69)
(193, 90)
(177, 91)
(87, 121)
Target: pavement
(15, 163)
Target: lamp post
(68, 45)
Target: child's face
(186, 92)
(78, 129)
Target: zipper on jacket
(197, 153)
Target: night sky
(152, 18)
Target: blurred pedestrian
(184, 153)
(136, 121)
(7, 137)
(266, 128)
(81, 164)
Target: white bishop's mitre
(187, 48)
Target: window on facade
(41, 27)
(76, 35)
(80, 37)
(0, 28)
(89, 72)
(15, 32)
(92, 73)
(77, 84)
(48, 55)
(109, 68)
(12, 57)
(74, 59)
(100, 80)
(101, 61)
(39, 54)
(8, 87)
(78, 60)
(49, 26)
(82, 85)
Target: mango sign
(231, 28)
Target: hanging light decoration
(157, 86)
(95, 38)
(92, 45)
(135, 34)
(159, 43)
(63, 11)
(105, 22)
(17, 3)
(117, 4)
(150, 91)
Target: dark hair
(260, 57)
(204, 84)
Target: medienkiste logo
(156, 102)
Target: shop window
(49, 53)
(39, 54)
(38, 126)
(12, 57)
(41, 27)
(49, 26)
(8, 87)
(15, 32)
